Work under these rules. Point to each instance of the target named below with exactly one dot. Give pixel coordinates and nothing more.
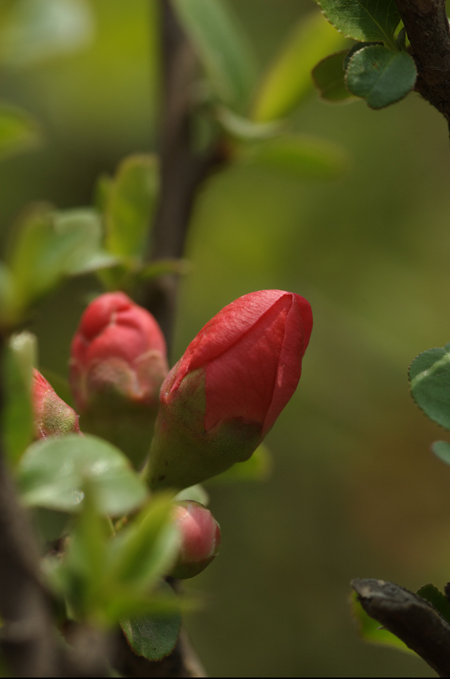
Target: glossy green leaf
(329, 79)
(380, 76)
(153, 636)
(370, 629)
(257, 468)
(429, 376)
(17, 420)
(145, 551)
(298, 155)
(88, 254)
(371, 20)
(130, 205)
(288, 81)
(221, 46)
(51, 474)
(39, 29)
(18, 131)
(437, 599)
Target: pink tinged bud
(118, 363)
(200, 538)
(52, 417)
(226, 392)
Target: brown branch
(427, 28)
(410, 618)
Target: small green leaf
(355, 48)
(380, 76)
(299, 155)
(147, 550)
(370, 630)
(436, 598)
(51, 474)
(371, 20)
(328, 77)
(429, 376)
(288, 80)
(153, 636)
(130, 206)
(222, 47)
(257, 468)
(17, 418)
(442, 451)
(18, 131)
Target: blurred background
(355, 491)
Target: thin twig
(410, 618)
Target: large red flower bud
(225, 393)
(200, 538)
(118, 363)
(52, 417)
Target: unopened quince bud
(118, 363)
(200, 538)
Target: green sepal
(429, 376)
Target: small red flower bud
(118, 363)
(226, 392)
(200, 538)
(52, 417)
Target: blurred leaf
(243, 128)
(380, 76)
(50, 525)
(39, 29)
(299, 155)
(442, 450)
(88, 255)
(288, 80)
(196, 493)
(372, 20)
(131, 202)
(429, 376)
(436, 598)
(152, 637)
(51, 474)
(145, 551)
(370, 630)
(164, 266)
(329, 79)
(8, 294)
(17, 419)
(18, 131)
(257, 468)
(222, 48)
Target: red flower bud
(226, 392)
(118, 363)
(200, 538)
(52, 417)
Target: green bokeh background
(355, 491)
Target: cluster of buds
(212, 409)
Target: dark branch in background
(182, 170)
(427, 28)
(410, 618)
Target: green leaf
(221, 46)
(18, 131)
(288, 81)
(329, 79)
(429, 376)
(17, 418)
(153, 637)
(86, 227)
(370, 630)
(39, 29)
(163, 266)
(436, 598)
(355, 48)
(51, 474)
(8, 298)
(299, 155)
(380, 76)
(242, 128)
(371, 20)
(196, 493)
(130, 205)
(147, 550)
(257, 468)
(442, 450)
